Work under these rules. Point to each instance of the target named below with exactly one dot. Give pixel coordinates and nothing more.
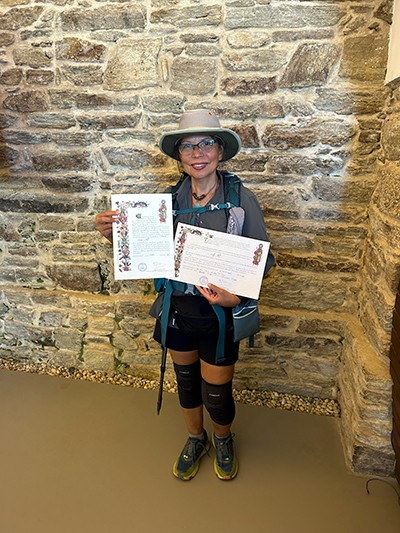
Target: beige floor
(79, 457)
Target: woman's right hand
(104, 222)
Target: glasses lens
(203, 146)
(206, 145)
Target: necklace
(201, 197)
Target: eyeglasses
(205, 146)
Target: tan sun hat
(203, 122)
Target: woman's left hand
(217, 296)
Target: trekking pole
(162, 372)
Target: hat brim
(230, 139)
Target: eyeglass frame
(197, 145)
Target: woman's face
(200, 164)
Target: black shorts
(206, 344)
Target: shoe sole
(225, 477)
(196, 468)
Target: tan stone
(132, 64)
(364, 58)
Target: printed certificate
(232, 262)
(143, 236)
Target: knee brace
(219, 402)
(188, 378)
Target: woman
(200, 144)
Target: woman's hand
(104, 222)
(217, 296)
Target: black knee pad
(219, 402)
(188, 378)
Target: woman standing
(200, 144)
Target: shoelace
(224, 449)
(189, 451)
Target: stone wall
(87, 88)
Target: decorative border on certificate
(143, 236)
(180, 244)
(124, 254)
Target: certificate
(143, 236)
(232, 262)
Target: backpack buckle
(214, 206)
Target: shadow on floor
(80, 457)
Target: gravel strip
(276, 400)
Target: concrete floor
(80, 457)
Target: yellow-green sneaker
(188, 463)
(226, 465)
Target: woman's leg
(219, 402)
(188, 375)
(220, 375)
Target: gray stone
(51, 120)
(248, 39)
(85, 76)
(283, 16)
(27, 102)
(240, 86)
(131, 158)
(349, 101)
(91, 101)
(302, 35)
(31, 57)
(310, 65)
(25, 137)
(60, 160)
(7, 120)
(364, 58)
(12, 76)
(76, 277)
(292, 164)
(16, 18)
(107, 121)
(385, 11)
(266, 60)
(41, 203)
(337, 189)
(8, 156)
(319, 263)
(132, 64)
(194, 76)
(298, 290)
(39, 77)
(71, 184)
(308, 133)
(188, 17)
(104, 18)
(74, 49)
(367, 459)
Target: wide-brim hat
(200, 122)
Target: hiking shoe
(188, 463)
(226, 465)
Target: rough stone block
(391, 138)
(364, 58)
(263, 60)
(74, 49)
(39, 77)
(133, 64)
(188, 16)
(12, 76)
(32, 57)
(76, 277)
(240, 86)
(83, 75)
(27, 102)
(107, 17)
(310, 65)
(61, 160)
(194, 76)
(17, 18)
